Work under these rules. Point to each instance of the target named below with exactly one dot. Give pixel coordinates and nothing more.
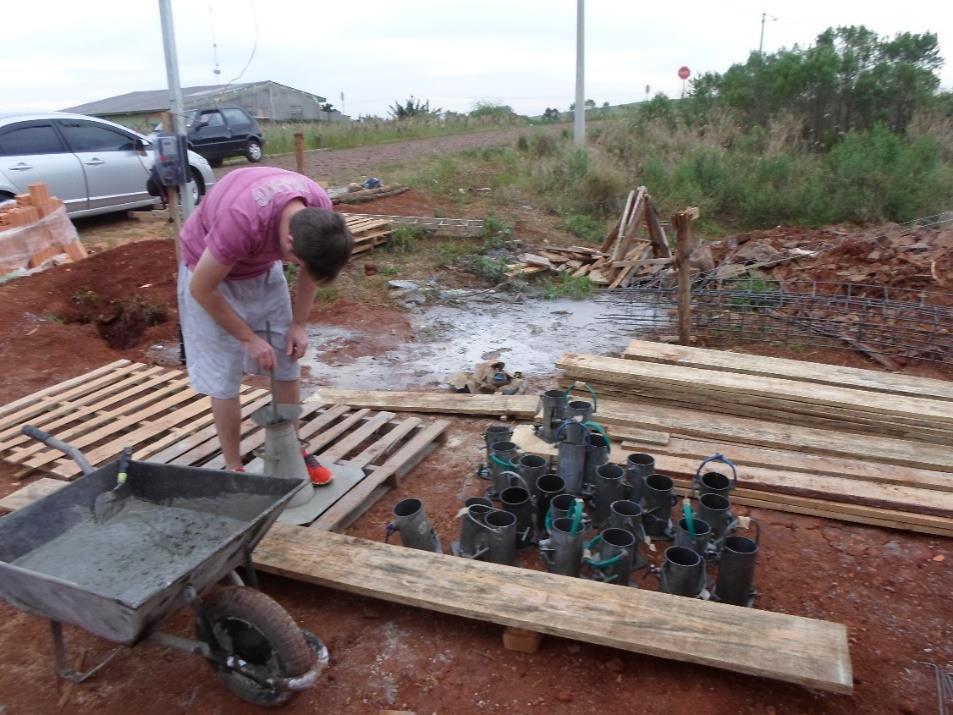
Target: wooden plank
(409, 454)
(748, 431)
(20, 410)
(623, 220)
(749, 456)
(341, 448)
(518, 406)
(806, 651)
(383, 446)
(762, 366)
(629, 372)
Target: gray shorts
(216, 360)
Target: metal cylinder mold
(697, 543)
(470, 545)
(553, 405)
(496, 433)
(519, 502)
(658, 498)
(547, 487)
(411, 522)
(682, 572)
(578, 411)
(501, 537)
(627, 514)
(637, 467)
(565, 548)
(615, 553)
(531, 467)
(562, 506)
(572, 463)
(501, 454)
(713, 483)
(736, 571)
(716, 510)
(608, 488)
(597, 454)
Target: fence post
(299, 152)
(682, 221)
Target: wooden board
(618, 371)
(751, 431)
(873, 380)
(518, 406)
(805, 651)
(30, 493)
(800, 650)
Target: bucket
(682, 572)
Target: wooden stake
(299, 152)
(682, 221)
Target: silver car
(93, 165)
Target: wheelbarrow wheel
(248, 625)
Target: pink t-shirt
(238, 220)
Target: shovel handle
(123, 470)
(53, 443)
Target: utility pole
(764, 17)
(579, 127)
(175, 94)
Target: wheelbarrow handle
(54, 443)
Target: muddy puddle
(528, 336)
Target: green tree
(413, 108)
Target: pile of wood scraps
(368, 231)
(624, 259)
(841, 443)
(36, 229)
(432, 225)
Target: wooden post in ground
(299, 152)
(682, 221)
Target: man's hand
(297, 342)
(261, 352)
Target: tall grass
(279, 138)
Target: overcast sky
(454, 53)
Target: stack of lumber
(368, 231)
(624, 259)
(807, 438)
(37, 241)
(432, 225)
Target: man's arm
(304, 299)
(208, 273)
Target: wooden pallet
(368, 232)
(437, 226)
(155, 412)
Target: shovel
(110, 503)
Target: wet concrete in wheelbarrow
(446, 338)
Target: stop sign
(683, 72)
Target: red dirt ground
(891, 588)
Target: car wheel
(196, 186)
(253, 150)
(215, 163)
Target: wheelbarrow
(179, 532)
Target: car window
(85, 136)
(213, 119)
(31, 140)
(236, 118)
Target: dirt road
(342, 165)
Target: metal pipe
(501, 454)
(471, 528)
(563, 553)
(597, 454)
(553, 405)
(615, 553)
(547, 487)
(572, 463)
(531, 467)
(697, 543)
(627, 514)
(716, 510)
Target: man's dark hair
(321, 240)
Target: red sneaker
(319, 475)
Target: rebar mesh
(880, 321)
